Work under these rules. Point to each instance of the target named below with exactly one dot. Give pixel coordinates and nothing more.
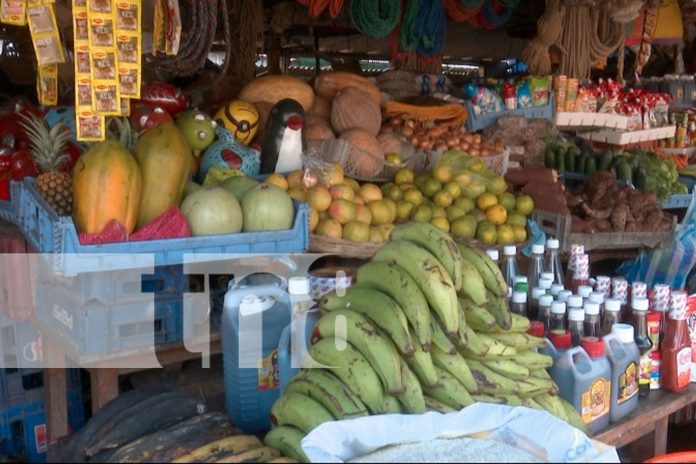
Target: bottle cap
(545, 300)
(576, 314)
(298, 285)
(584, 291)
(654, 316)
(521, 278)
(493, 254)
(591, 309)
(574, 301)
(552, 244)
(656, 355)
(640, 304)
(538, 249)
(510, 250)
(556, 289)
(624, 332)
(593, 346)
(547, 275)
(545, 284)
(537, 292)
(596, 297)
(561, 340)
(563, 295)
(536, 329)
(558, 307)
(519, 297)
(612, 304)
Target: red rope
(461, 14)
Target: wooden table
(650, 418)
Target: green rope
(471, 3)
(376, 18)
(408, 25)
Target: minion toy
(241, 119)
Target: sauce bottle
(598, 298)
(511, 269)
(545, 302)
(654, 319)
(563, 296)
(624, 358)
(592, 324)
(612, 309)
(603, 286)
(519, 303)
(640, 323)
(558, 342)
(584, 292)
(556, 289)
(575, 251)
(533, 306)
(558, 316)
(676, 353)
(536, 329)
(656, 357)
(581, 273)
(619, 291)
(545, 284)
(536, 266)
(576, 325)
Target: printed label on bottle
(595, 401)
(645, 369)
(683, 367)
(268, 372)
(628, 383)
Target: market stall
(361, 231)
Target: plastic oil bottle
(624, 357)
(553, 261)
(511, 269)
(583, 376)
(253, 317)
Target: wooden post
(55, 395)
(104, 387)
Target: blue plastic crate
(476, 122)
(20, 344)
(677, 201)
(22, 386)
(46, 232)
(7, 212)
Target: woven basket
(343, 248)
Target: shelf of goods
(580, 120)
(477, 121)
(615, 137)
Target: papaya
(166, 163)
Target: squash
(328, 84)
(317, 128)
(321, 107)
(272, 89)
(165, 160)
(391, 143)
(353, 109)
(107, 184)
(366, 159)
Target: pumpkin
(318, 128)
(365, 158)
(353, 109)
(327, 85)
(267, 207)
(391, 143)
(107, 186)
(321, 107)
(165, 160)
(272, 89)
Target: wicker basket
(343, 248)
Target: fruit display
(427, 328)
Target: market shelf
(616, 137)
(573, 120)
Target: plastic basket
(320, 156)
(22, 386)
(682, 456)
(46, 232)
(476, 122)
(21, 345)
(7, 213)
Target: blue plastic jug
(253, 317)
(301, 329)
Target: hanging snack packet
(586, 101)
(47, 85)
(129, 47)
(560, 87)
(90, 126)
(87, 129)
(524, 95)
(44, 33)
(13, 12)
(572, 95)
(540, 90)
(106, 98)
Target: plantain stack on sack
(425, 328)
(157, 425)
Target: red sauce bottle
(676, 353)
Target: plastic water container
(624, 357)
(253, 317)
(557, 343)
(583, 376)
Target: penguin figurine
(284, 139)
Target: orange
(295, 178)
(403, 209)
(441, 223)
(342, 211)
(497, 185)
(363, 214)
(403, 176)
(520, 233)
(393, 158)
(430, 187)
(356, 231)
(298, 193)
(413, 196)
(329, 228)
(496, 214)
(506, 235)
(381, 212)
(524, 205)
(319, 198)
(486, 200)
(277, 180)
(442, 173)
(313, 219)
(342, 192)
(443, 198)
(369, 192)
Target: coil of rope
(315, 8)
(430, 27)
(459, 11)
(376, 18)
(491, 19)
(549, 29)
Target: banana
(573, 417)
(544, 374)
(286, 439)
(476, 316)
(492, 383)
(449, 391)
(437, 242)
(233, 444)
(437, 406)
(519, 324)
(395, 282)
(519, 341)
(263, 454)
(480, 344)
(513, 400)
(352, 368)
(490, 399)
(490, 273)
(429, 274)
(379, 308)
(507, 367)
(473, 286)
(368, 340)
(337, 402)
(440, 338)
(530, 403)
(499, 310)
(300, 411)
(391, 405)
(412, 397)
(456, 365)
(463, 331)
(552, 404)
(283, 460)
(421, 363)
(533, 387)
(533, 360)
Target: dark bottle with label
(640, 323)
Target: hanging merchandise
(549, 29)
(13, 12)
(430, 27)
(90, 126)
(129, 48)
(315, 8)
(106, 96)
(47, 85)
(495, 13)
(376, 18)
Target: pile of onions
(431, 136)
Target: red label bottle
(676, 353)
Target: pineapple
(48, 152)
(124, 132)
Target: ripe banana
(449, 391)
(421, 363)
(429, 274)
(437, 406)
(490, 273)
(476, 316)
(263, 454)
(519, 341)
(492, 383)
(412, 398)
(473, 286)
(482, 345)
(437, 242)
(519, 324)
(352, 368)
(498, 308)
(533, 360)
(440, 338)
(573, 416)
(368, 340)
(300, 411)
(336, 401)
(456, 365)
(507, 367)
(286, 439)
(233, 444)
(395, 282)
(391, 405)
(379, 308)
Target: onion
(477, 138)
(440, 146)
(475, 152)
(464, 146)
(499, 147)
(414, 141)
(395, 122)
(410, 123)
(486, 152)
(425, 145)
(407, 131)
(468, 138)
